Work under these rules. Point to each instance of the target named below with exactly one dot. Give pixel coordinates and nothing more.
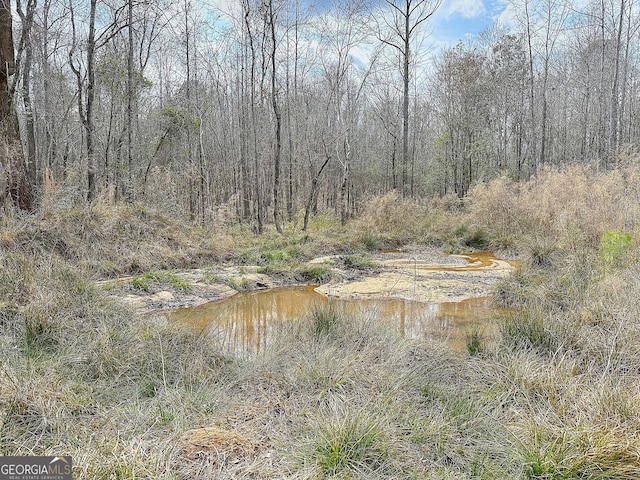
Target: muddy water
(246, 321)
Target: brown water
(246, 321)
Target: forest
(261, 239)
(257, 109)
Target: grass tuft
(615, 249)
(526, 330)
(475, 341)
(352, 442)
(325, 321)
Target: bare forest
(260, 239)
(257, 110)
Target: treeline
(274, 107)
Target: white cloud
(465, 8)
(508, 16)
(362, 54)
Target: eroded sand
(425, 278)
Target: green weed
(314, 273)
(276, 257)
(141, 283)
(615, 248)
(144, 282)
(237, 283)
(165, 416)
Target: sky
(458, 20)
(454, 21)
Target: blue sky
(457, 20)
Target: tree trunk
(613, 105)
(532, 112)
(15, 184)
(128, 191)
(30, 134)
(89, 125)
(405, 97)
(85, 107)
(278, 123)
(257, 194)
(313, 193)
(344, 187)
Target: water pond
(246, 321)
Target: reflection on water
(244, 322)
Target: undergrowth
(332, 395)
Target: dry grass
(110, 240)
(388, 222)
(574, 206)
(333, 396)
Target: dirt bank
(414, 275)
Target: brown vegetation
(333, 397)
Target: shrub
(572, 205)
(392, 218)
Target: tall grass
(334, 395)
(573, 206)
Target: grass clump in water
(326, 321)
(474, 341)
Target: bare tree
(26, 46)
(16, 183)
(271, 20)
(83, 65)
(406, 18)
(85, 108)
(130, 100)
(615, 87)
(250, 84)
